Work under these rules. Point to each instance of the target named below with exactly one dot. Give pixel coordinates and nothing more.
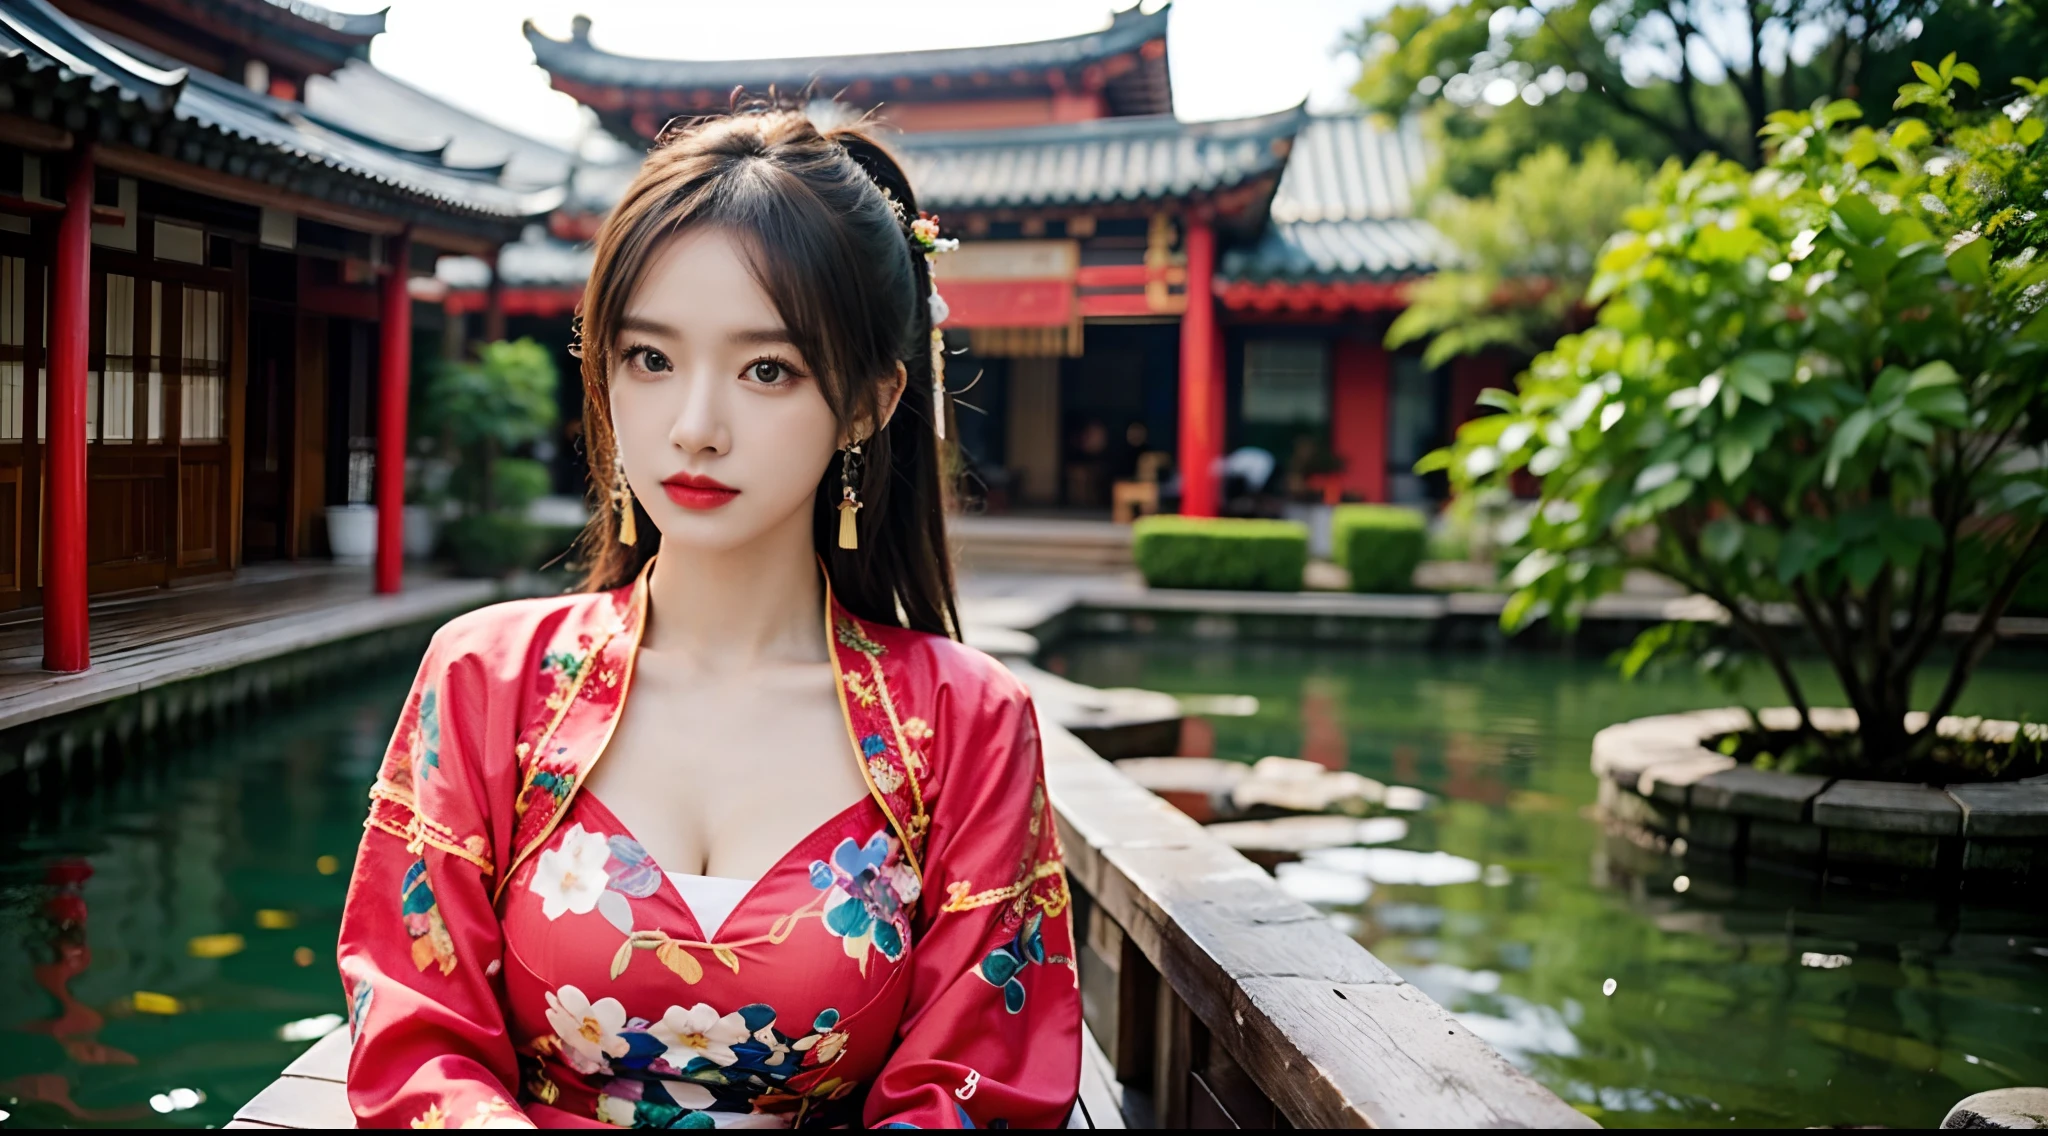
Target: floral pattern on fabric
(694, 1063)
(1002, 966)
(431, 945)
(589, 870)
(430, 733)
(868, 897)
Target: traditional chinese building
(1129, 284)
(206, 288)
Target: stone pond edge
(1655, 773)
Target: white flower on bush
(699, 1032)
(589, 1031)
(571, 877)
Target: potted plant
(485, 411)
(1816, 393)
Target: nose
(700, 425)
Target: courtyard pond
(1644, 989)
(167, 945)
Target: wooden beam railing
(1220, 1001)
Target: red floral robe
(511, 954)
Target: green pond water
(1772, 1003)
(166, 946)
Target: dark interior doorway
(267, 437)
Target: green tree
(1526, 254)
(483, 409)
(1663, 78)
(1816, 389)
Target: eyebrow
(750, 337)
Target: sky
(1229, 58)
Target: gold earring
(849, 497)
(622, 498)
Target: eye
(769, 372)
(648, 359)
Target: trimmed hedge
(489, 545)
(1203, 552)
(1380, 545)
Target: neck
(731, 609)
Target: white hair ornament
(924, 233)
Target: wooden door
(130, 471)
(21, 360)
(268, 431)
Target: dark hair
(822, 216)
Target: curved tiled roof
(1142, 158)
(575, 59)
(1351, 168)
(37, 40)
(1338, 250)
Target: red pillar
(65, 630)
(1201, 384)
(393, 378)
(1358, 415)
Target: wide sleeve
(991, 1030)
(421, 946)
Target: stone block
(1711, 830)
(2024, 857)
(1890, 849)
(2005, 808)
(2000, 1108)
(1630, 807)
(1670, 781)
(1747, 791)
(1883, 806)
(1784, 840)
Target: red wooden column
(65, 630)
(394, 367)
(1358, 415)
(1201, 380)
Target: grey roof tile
(578, 60)
(36, 38)
(1134, 158)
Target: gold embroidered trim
(919, 821)
(958, 897)
(638, 614)
(853, 733)
(422, 831)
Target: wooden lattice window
(203, 404)
(13, 345)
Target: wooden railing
(1219, 1001)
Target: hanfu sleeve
(991, 1030)
(420, 942)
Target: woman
(813, 879)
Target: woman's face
(722, 423)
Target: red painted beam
(1279, 296)
(394, 366)
(66, 632)
(1008, 303)
(1201, 387)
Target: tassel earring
(849, 497)
(622, 499)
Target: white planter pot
(422, 529)
(1317, 518)
(352, 533)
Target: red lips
(693, 492)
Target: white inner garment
(711, 898)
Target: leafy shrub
(1380, 545)
(490, 545)
(1815, 388)
(1201, 552)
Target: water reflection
(168, 946)
(1512, 907)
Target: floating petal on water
(310, 1029)
(215, 946)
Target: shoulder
(940, 663)
(502, 638)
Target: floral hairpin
(924, 233)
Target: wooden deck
(153, 639)
(313, 1093)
